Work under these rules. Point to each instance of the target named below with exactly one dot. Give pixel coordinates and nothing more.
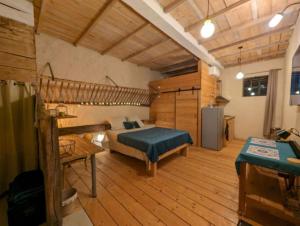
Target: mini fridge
(212, 128)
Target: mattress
(115, 145)
(154, 141)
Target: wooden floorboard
(201, 189)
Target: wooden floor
(201, 189)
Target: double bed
(149, 143)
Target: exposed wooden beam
(100, 14)
(222, 11)
(196, 9)
(122, 40)
(42, 10)
(173, 5)
(146, 49)
(254, 9)
(151, 60)
(177, 66)
(285, 28)
(254, 49)
(269, 57)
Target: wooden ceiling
(238, 23)
(109, 27)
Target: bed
(149, 143)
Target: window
(255, 86)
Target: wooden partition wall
(180, 101)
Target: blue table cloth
(155, 141)
(285, 152)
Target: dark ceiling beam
(180, 65)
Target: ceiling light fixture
(208, 28)
(277, 18)
(240, 74)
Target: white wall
(249, 111)
(79, 63)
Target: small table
(261, 197)
(83, 150)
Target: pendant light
(208, 28)
(277, 18)
(240, 74)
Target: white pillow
(117, 122)
(137, 119)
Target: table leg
(242, 189)
(93, 165)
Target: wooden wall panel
(17, 51)
(208, 86)
(187, 113)
(162, 110)
(174, 83)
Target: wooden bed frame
(151, 167)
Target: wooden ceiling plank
(196, 9)
(159, 56)
(268, 57)
(122, 40)
(254, 9)
(173, 5)
(220, 12)
(285, 28)
(146, 49)
(100, 14)
(255, 48)
(42, 10)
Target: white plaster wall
(79, 63)
(249, 111)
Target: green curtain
(18, 139)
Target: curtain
(18, 138)
(270, 102)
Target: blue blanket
(155, 141)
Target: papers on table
(263, 152)
(263, 142)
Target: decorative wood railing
(56, 90)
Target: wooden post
(242, 189)
(50, 165)
(153, 168)
(185, 151)
(93, 164)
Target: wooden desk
(83, 150)
(262, 189)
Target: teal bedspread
(285, 151)
(155, 141)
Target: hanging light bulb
(275, 20)
(208, 28)
(240, 74)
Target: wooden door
(187, 113)
(162, 110)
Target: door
(187, 113)
(162, 110)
